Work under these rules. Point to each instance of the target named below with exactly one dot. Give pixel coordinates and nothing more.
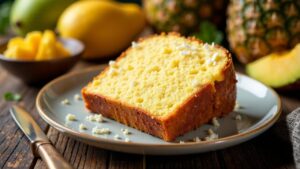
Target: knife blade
(27, 124)
(39, 141)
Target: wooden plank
(202, 160)
(265, 151)
(290, 101)
(21, 157)
(13, 145)
(126, 161)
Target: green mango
(30, 15)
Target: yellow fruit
(15, 42)
(61, 50)
(19, 53)
(47, 46)
(33, 40)
(277, 69)
(36, 46)
(50, 48)
(17, 49)
(105, 27)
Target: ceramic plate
(259, 108)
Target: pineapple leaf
(209, 33)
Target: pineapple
(258, 27)
(184, 16)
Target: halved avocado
(277, 70)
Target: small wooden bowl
(40, 72)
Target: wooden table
(269, 150)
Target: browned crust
(213, 100)
(125, 114)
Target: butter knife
(40, 144)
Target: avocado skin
(31, 15)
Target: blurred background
(263, 36)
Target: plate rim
(259, 129)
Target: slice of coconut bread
(165, 85)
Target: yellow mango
(105, 27)
(277, 69)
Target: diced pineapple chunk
(50, 48)
(36, 46)
(15, 42)
(61, 50)
(17, 49)
(47, 47)
(33, 40)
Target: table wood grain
(272, 149)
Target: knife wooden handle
(52, 158)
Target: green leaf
(5, 9)
(9, 96)
(209, 33)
